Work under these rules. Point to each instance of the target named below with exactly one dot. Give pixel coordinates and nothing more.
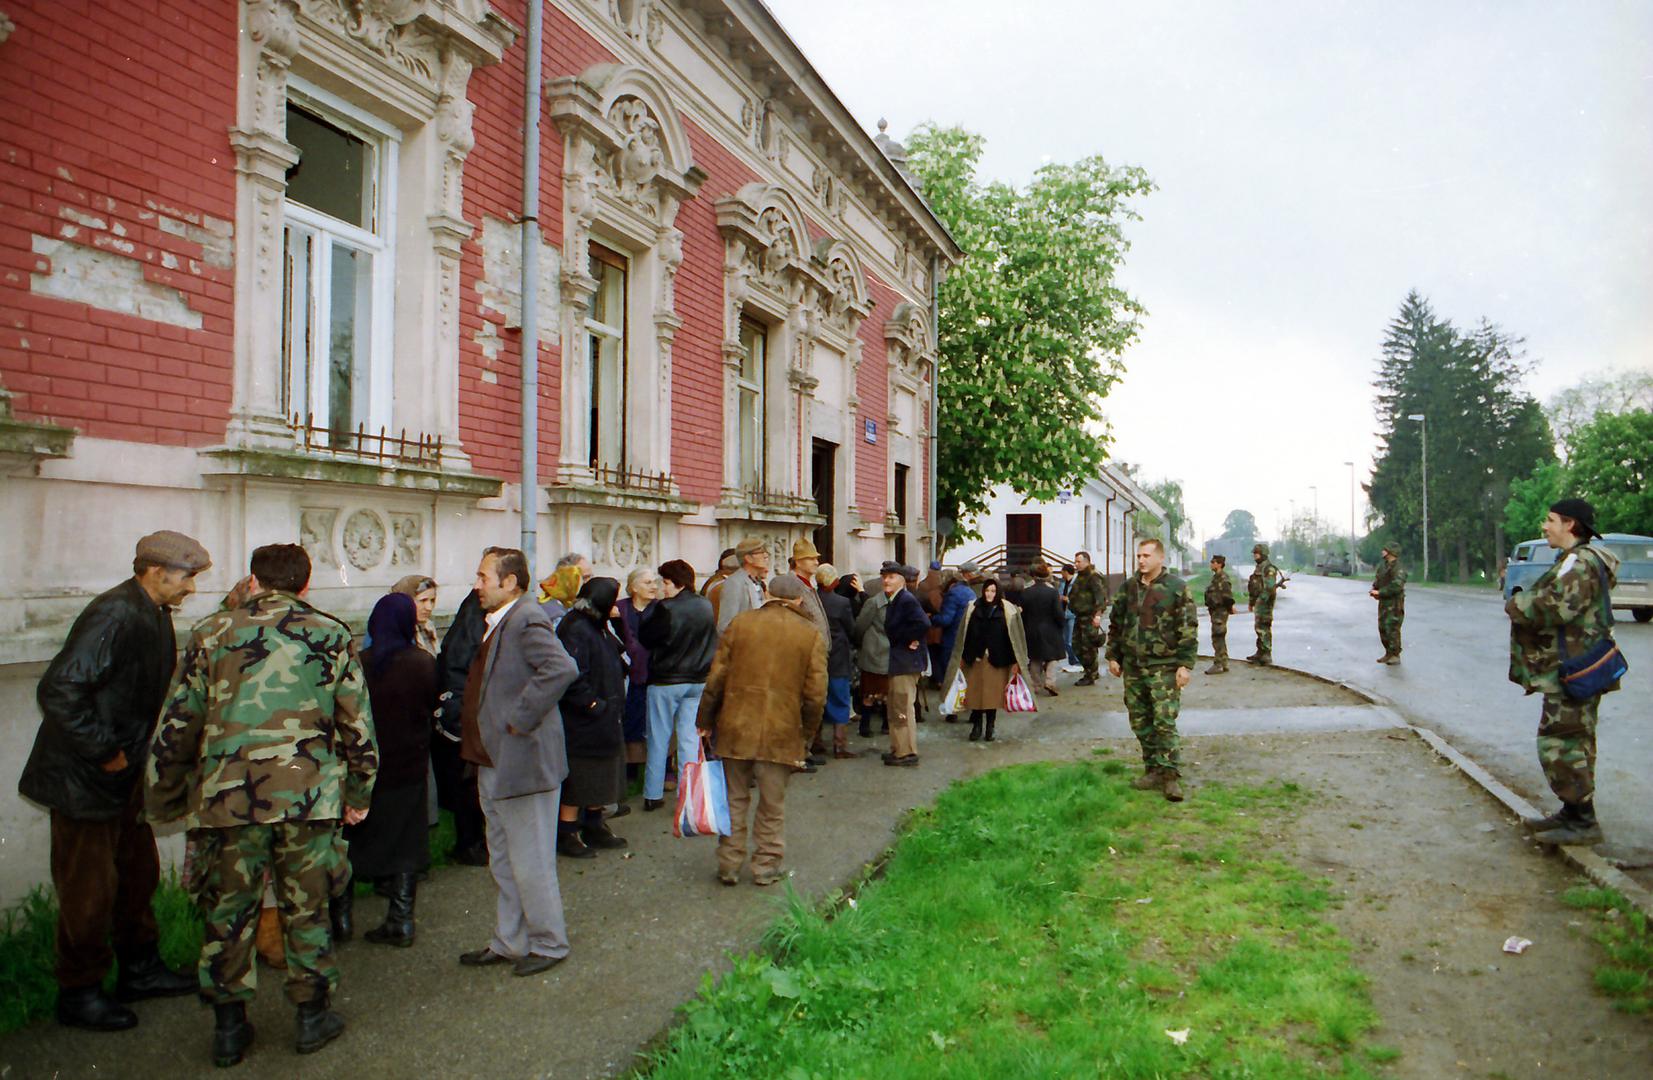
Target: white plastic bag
(953, 703)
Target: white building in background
(1100, 517)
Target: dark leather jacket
(680, 633)
(453, 664)
(101, 695)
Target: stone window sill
(295, 465)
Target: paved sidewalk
(647, 927)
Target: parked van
(1634, 590)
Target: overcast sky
(1315, 160)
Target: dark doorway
(901, 513)
(823, 480)
(1023, 539)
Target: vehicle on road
(1634, 590)
(1335, 564)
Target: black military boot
(341, 913)
(1579, 827)
(317, 1025)
(232, 1034)
(975, 725)
(143, 974)
(90, 1009)
(992, 715)
(397, 929)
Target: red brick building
(261, 280)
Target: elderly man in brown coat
(765, 692)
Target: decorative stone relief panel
(622, 546)
(367, 539)
(408, 533)
(364, 539)
(315, 534)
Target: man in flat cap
(1389, 590)
(99, 701)
(1563, 614)
(743, 590)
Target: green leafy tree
(1530, 498)
(1610, 463)
(1239, 525)
(1032, 321)
(1168, 493)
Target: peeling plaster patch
(501, 284)
(118, 229)
(125, 247)
(82, 219)
(68, 232)
(111, 282)
(488, 337)
(169, 260)
(490, 377)
(65, 174)
(215, 236)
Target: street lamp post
(1423, 436)
(1354, 560)
(1314, 527)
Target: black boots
(569, 844)
(341, 912)
(397, 929)
(90, 1009)
(975, 725)
(1574, 824)
(317, 1025)
(981, 724)
(232, 1033)
(145, 975)
(992, 715)
(596, 834)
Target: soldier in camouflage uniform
(1219, 602)
(1264, 582)
(1389, 590)
(1153, 640)
(265, 744)
(1565, 604)
(1087, 599)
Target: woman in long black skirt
(593, 711)
(393, 842)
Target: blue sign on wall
(872, 431)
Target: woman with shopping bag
(989, 652)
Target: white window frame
(760, 446)
(618, 333)
(379, 242)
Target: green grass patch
(28, 987)
(1045, 920)
(1622, 933)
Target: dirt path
(1431, 897)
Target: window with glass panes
(605, 335)
(337, 250)
(749, 402)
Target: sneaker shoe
(1073, 669)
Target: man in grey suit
(743, 590)
(511, 730)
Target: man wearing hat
(743, 590)
(906, 626)
(1261, 586)
(99, 701)
(1389, 590)
(804, 561)
(1564, 610)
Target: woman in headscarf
(642, 590)
(558, 591)
(593, 708)
(991, 647)
(393, 842)
(423, 591)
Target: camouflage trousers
(1567, 747)
(227, 869)
(1219, 636)
(1152, 700)
(1390, 615)
(1263, 620)
(1087, 641)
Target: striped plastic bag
(702, 798)
(1017, 697)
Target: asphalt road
(1454, 679)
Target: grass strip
(28, 987)
(1622, 933)
(1046, 920)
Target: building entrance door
(823, 480)
(1023, 539)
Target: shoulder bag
(1599, 668)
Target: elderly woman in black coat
(1042, 619)
(393, 842)
(593, 720)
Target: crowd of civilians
(529, 723)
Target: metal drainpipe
(935, 398)
(530, 284)
(1107, 537)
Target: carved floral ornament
(907, 339)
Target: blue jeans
(837, 702)
(670, 707)
(1068, 621)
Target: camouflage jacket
(1219, 594)
(267, 720)
(1263, 583)
(1564, 602)
(1153, 625)
(1390, 581)
(1089, 594)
